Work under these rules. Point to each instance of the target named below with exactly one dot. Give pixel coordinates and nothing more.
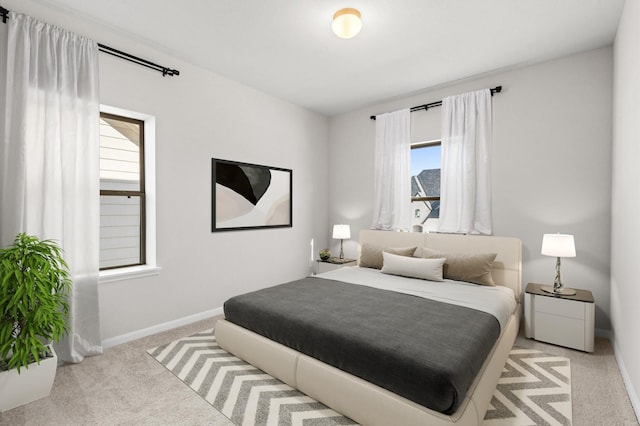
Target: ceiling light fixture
(346, 22)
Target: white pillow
(426, 269)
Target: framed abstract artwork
(249, 196)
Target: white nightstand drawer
(559, 330)
(557, 306)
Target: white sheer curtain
(392, 184)
(465, 193)
(49, 182)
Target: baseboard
(631, 391)
(169, 325)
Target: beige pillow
(427, 253)
(473, 268)
(371, 256)
(413, 267)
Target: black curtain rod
(4, 13)
(425, 107)
(136, 60)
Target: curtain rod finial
(5, 14)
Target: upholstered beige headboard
(507, 268)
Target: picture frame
(248, 196)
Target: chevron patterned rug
(535, 388)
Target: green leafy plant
(34, 284)
(324, 254)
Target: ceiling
(286, 47)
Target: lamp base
(563, 291)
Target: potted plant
(324, 254)
(34, 284)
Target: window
(122, 192)
(425, 185)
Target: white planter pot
(31, 384)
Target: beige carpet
(126, 386)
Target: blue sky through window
(425, 158)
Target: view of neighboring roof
(426, 184)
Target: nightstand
(332, 263)
(562, 320)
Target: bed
(292, 349)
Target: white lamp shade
(558, 245)
(346, 23)
(341, 232)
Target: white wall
(551, 163)
(200, 115)
(625, 268)
(552, 172)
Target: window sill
(129, 273)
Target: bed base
(358, 399)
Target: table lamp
(558, 245)
(341, 232)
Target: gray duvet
(424, 350)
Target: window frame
(140, 193)
(151, 268)
(427, 144)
